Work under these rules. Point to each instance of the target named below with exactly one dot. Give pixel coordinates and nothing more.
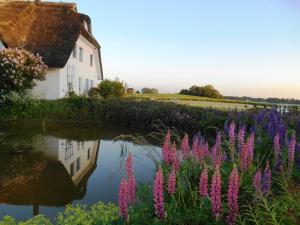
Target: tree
(19, 69)
(109, 88)
(203, 91)
(146, 90)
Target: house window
(92, 84)
(80, 84)
(89, 154)
(78, 164)
(87, 85)
(75, 52)
(91, 60)
(72, 169)
(81, 54)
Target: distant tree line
(204, 91)
(268, 100)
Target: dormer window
(81, 54)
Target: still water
(45, 167)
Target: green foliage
(19, 69)
(204, 91)
(109, 88)
(146, 90)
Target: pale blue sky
(249, 47)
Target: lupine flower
(131, 189)
(195, 146)
(215, 193)
(297, 151)
(257, 182)
(232, 139)
(244, 158)
(201, 153)
(203, 183)
(158, 195)
(205, 149)
(174, 157)
(291, 151)
(241, 138)
(232, 196)
(251, 148)
(172, 182)
(185, 148)
(276, 144)
(266, 180)
(128, 165)
(123, 207)
(166, 148)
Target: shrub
(146, 90)
(19, 69)
(109, 88)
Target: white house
(62, 36)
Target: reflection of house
(55, 177)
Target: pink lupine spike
(232, 139)
(185, 148)
(241, 137)
(250, 149)
(201, 153)
(215, 193)
(214, 155)
(243, 160)
(276, 145)
(257, 182)
(206, 150)
(172, 182)
(129, 166)
(195, 146)
(123, 207)
(174, 157)
(232, 196)
(291, 151)
(166, 148)
(131, 189)
(203, 183)
(158, 195)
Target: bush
(19, 69)
(205, 91)
(109, 88)
(146, 90)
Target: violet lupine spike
(257, 182)
(172, 182)
(232, 139)
(185, 148)
(203, 183)
(158, 195)
(241, 138)
(215, 193)
(291, 151)
(232, 196)
(131, 189)
(128, 165)
(166, 148)
(123, 207)
(266, 180)
(276, 145)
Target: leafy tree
(109, 88)
(19, 69)
(146, 90)
(204, 91)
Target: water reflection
(58, 169)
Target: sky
(243, 48)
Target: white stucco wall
(56, 83)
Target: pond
(45, 167)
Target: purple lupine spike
(297, 153)
(215, 193)
(203, 183)
(166, 148)
(226, 127)
(291, 151)
(128, 165)
(266, 180)
(257, 182)
(158, 195)
(232, 196)
(172, 182)
(241, 138)
(185, 148)
(276, 145)
(123, 207)
(232, 139)
(250, 149)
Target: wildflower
(166, 148)
(203, 183)
(291, 151)
(172, 182)
(244, 158)
(131, 189)
(215, 193)
(174, 157)
(128, 165)
(251, 148)
(195, 146)
(123, 207)
(257, 181)
(232, 139)
(232, 196)
(266, 180)
(241, 138)
(276, 144)
(185, 148)
(158, 195)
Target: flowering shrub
(19, 69)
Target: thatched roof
(48, 28)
